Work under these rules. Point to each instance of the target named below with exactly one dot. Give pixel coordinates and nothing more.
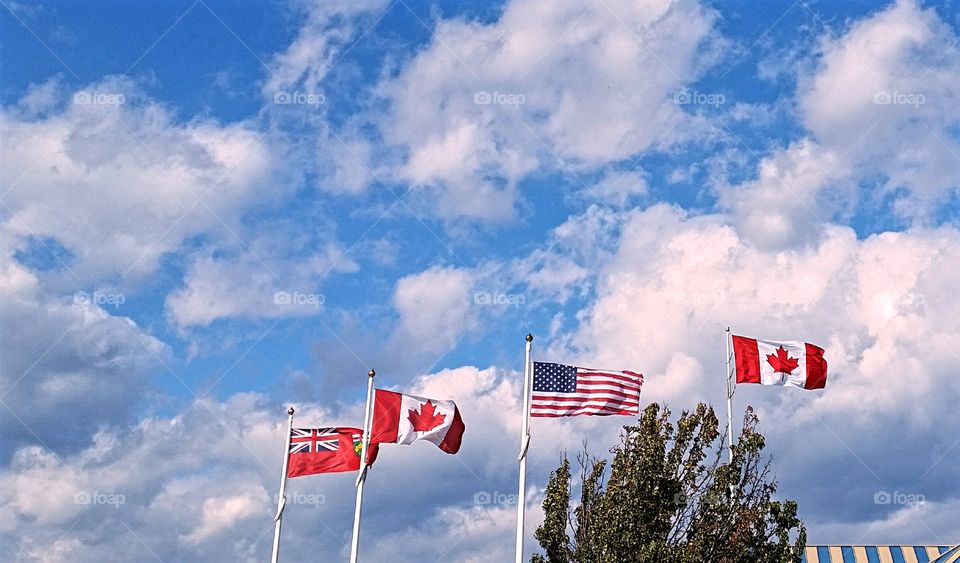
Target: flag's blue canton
(554, 378)
(313, 440)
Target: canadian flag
(796, 364)
(403, 419)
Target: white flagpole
(282, 499)
(730, 388)
(361, 479)
(524, 445)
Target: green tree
(670, 497)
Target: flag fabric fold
(789, 363)
(560, 390)
(404, 419)
(323, 450)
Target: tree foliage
(671, 497)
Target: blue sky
(211, 210)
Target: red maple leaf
(427, 419)
(782, 362)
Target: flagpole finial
(290, 411)
(372, 373)
(529, 337)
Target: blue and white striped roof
(881, 554)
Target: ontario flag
(404, 419)
(323, 450)
(795, 364)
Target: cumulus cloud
(880, 306)
(221, 513)
(780, 208)
(202, 484)
(481, 535)
(161, 487)
(69, 366)
(114, 179)
(255, 284)
(666, 288)
(901, 524)
(884, 93)
(571, 86)
(120, 184)
(434, 308)
(880, 108)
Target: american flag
(560, 390)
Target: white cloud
(483, 105)
(340, 158)
(881, 109)
(560, 269)
(114, 179)
(254, 285)
(435, 308)
(780, 208)
(901, 524)
(69, 366)
(165, 486)
(885, 92)
(472, 535)
(41, 98)
(220, 513)
(617, 189)
(901, 48)
(202, 485)
(666, 289)
(116, 185)
(694, 275)
(345, 162)
(320, 43)
(881, 306)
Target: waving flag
(403, 419)
(794, 364)
(323, 450)
(560, 390)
